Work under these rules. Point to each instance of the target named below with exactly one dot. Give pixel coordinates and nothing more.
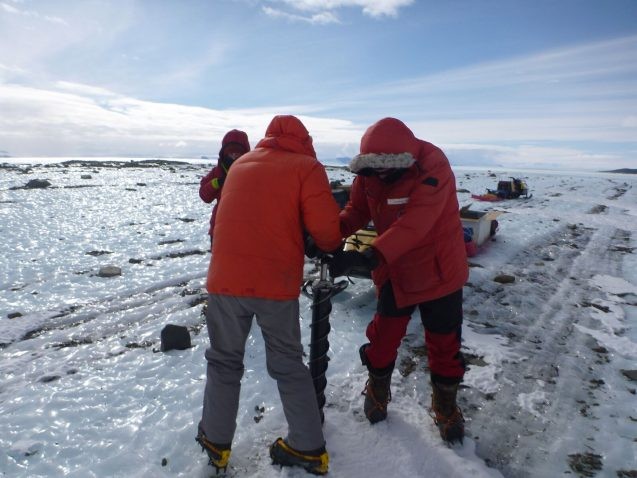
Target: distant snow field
(551, 388)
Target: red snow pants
(442, 321)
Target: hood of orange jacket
(287, 133)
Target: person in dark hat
(234, 144)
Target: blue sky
(542, 83)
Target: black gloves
(344, 262)
(226, 162)
(312, 250)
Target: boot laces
(368, 391)
(444, 422)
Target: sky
(542, 84)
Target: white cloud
(582, 95)
(9, 9)
(27, 42)
(569, 71)
(529, 156)
(81, 89)
(9, 72)
(322, 18)
(630, 122)
(373, 8)
(577, 94)
(91, 121)
(31, 13)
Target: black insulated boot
(219, 454)
(315, 461)
(446, 413)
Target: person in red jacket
(406, 187)
(234, 144)
(273, 194)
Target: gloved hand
(313, 251)
(344, 262)
(226, 162)
(218, 182)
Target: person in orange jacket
(275, 193)
(406, 186)
(234, 144)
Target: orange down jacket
(270, 196)
(420, 235)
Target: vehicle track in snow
(538, 314)
(110, 326)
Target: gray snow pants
(229, 320)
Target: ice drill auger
(321, 291)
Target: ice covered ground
(551, 388)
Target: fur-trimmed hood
(387, 144)
(381, 161)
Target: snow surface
(85, 392)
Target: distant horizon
(333, 162)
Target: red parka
(209, 190)
(270, 196)
(420, 234)
(211, 184)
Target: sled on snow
(509, 189)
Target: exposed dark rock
(176, 255)
(139, 345)
(72, 343)
(14, 315)
(109, 271)
(169, 241)
(627, 473)
(585, 464)
(474, 360)
(175, 337)
(34, 184)
(504, 279)
(630, 374)
(599, 209)
(603, 308)
(628, 250)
